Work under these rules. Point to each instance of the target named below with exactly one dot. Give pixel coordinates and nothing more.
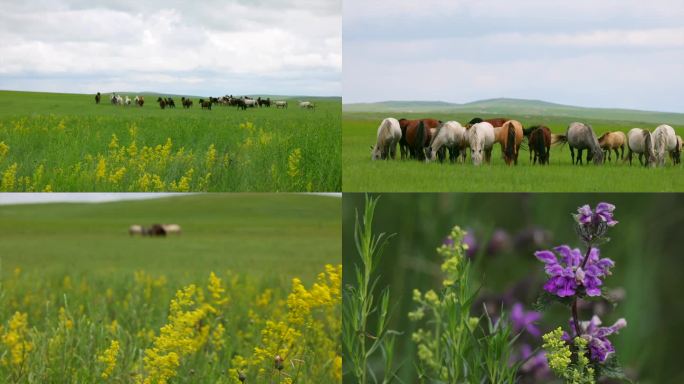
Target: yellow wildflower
(4, 149)
(15, 338)
(293, 163)
(9, 178)
(108, 357)
(217, 290)
(211, 156)
(101, 169)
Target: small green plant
(361, 339)
(452, 345)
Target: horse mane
(475, 120)
(602, 136)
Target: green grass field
(65, 142)
(361, 174)
(252, 277)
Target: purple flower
(470, 240)
(524, 320)
(600, 347)
(602, 214)
(567, 275)
(499, 242)
(537, 365)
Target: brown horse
(510, 136)
(495, 122)
(154, 231)
(613, 140)
(539, 139)
(162, 102)
(415, 137)
(97, 98)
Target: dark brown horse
(154, 231)
(187, 103)
(205, 104)
(415, 137)
(97, 98)
(162, 102)
(539, 139)
(495, 122)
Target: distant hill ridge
(516, 107)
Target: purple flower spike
(600, 348)
(566, 274)
(524, 320)
(592, 225)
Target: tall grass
(113, 148)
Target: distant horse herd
(242, 102)
(155, 230)
(431, 139)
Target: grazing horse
(510, 136)
(450, 135)
(640, 141)
(97, 98)
(581, 136)
(170, 103)
(677, 154)
(307, 105)
(204, 104)
(171, 228)
(664, 141)
(116, 99)
(162, 102)
(155, 230)
(186, 103)
(281, 104)
(139, 101)
(481, 139)
(250, 103)
(612, 141)
(539, 139)
(389, 134)
(412, 145)
(128, 101)
(135, 230)
(264, 102)
(495, 122)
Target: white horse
(251, 103)
(306, 105)
(451, 135)
(664, 141)
(135, 230)
(281, 104)
(127, 101)
(481, 139)
(116, 99)
(171, 228)
(640, 141)
(389, 134)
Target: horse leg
(572, 155)
(641, 155)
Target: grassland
(251, 277)
(65, 142)
(361, 174)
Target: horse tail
(558, 139)
(510, 141)
(420, 140)
(539, 144)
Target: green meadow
(251, 277)
(359, 129)
(66, 142)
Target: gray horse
(581, 136)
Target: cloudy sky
(208, 47)
(608, 53)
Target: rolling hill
(517, 107)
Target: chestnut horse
(612, 141)
(495, 122)
(415, 137)
(510, 136)
(539, 139)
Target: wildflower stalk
(359, 303)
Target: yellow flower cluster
(178, 338)
(108, 357)
(557, 351)
(15, 339)
(293, 160)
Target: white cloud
(173, 39)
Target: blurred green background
(646, 246)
